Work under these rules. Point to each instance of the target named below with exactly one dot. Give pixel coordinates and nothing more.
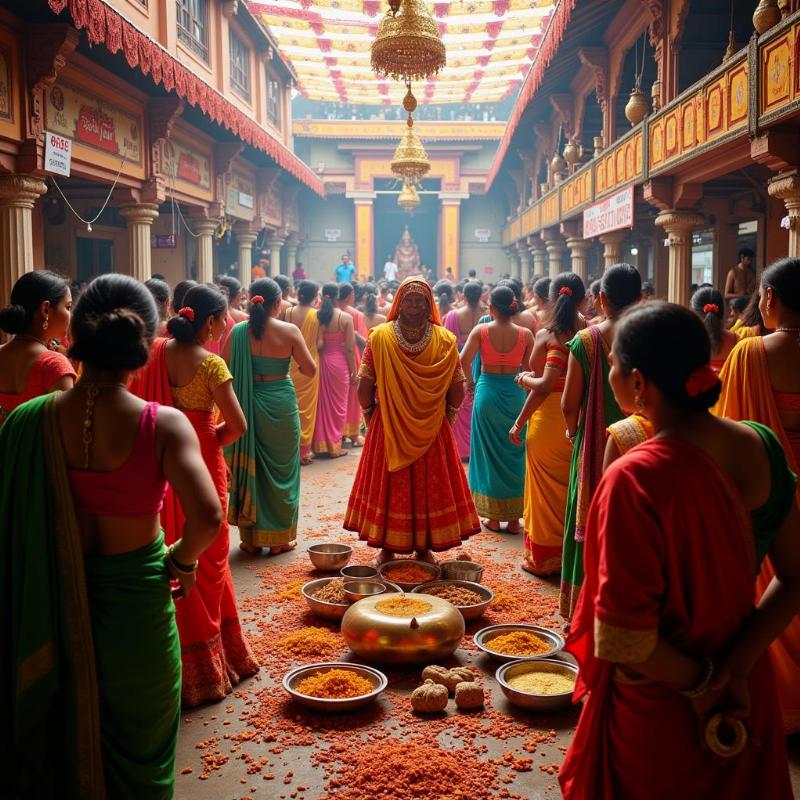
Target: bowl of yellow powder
(538, 684)
(514, 641)
(334, 686)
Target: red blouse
(46, 370)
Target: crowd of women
(599, 425)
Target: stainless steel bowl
(358, 590)
(330, 611)
(357, 572)
(432, 569)
(483, 639)
(330, 557)
(461, 571)
(470, 612)
(536, 702)
(295, 676)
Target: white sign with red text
(57, 154)
(612, 214)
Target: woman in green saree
(589, 407)
(91, 678)
(265, 462)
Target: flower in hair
(187, 312)
(711, 308)
(701, 380)
(256, 299)
(565, 290)
(514, 307)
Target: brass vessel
(636, 109)
(382, 638)
(766, 15)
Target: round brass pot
(425, 638)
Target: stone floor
(257, 744)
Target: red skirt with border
(425, 506)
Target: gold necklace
(789, 329)
(92, 392)
(412, 347)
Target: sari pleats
(307, 389)
(496, 466)
(424, 506)
(546, 483)
(334, 393)
(212, 663)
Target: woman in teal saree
(265, 462)
(91, 675)
(589, 408)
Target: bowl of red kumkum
(408, 573)
(516, 641)
(334, 687)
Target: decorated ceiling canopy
(490, 45)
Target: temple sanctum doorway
(423, 230)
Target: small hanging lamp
(407, 45)
(408, 199)
(410, 159)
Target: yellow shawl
(412, 391)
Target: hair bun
(13, 318)
(112, 340)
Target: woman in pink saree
(336, 373)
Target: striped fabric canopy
(490, 46)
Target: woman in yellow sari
(547, 450)
(410, 492)
(761, 382)
(307, 388)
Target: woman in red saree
(38, 313)
(410, 492)
(665, 631)
(214, 651)
(761, 382)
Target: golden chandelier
(408, 199)
(408, 45)
(410, 159)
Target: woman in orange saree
(665, 630)
(410, 492)
(215, 653)
(761, 383)
(354, 418)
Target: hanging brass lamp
(407, 45)
(408, 199)
(410, 159)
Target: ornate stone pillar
(579, 255)
(291, 254)
(523, 260)
(203, 229)
(275, 244)
(786, 187)
(539, 255)
(554, 243)
(612, 247)
(245, 236)
(679, 226)
(140, 218)
(18, 193)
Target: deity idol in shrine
(406, 255)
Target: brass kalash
(429, 630)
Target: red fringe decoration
(106, 26)
(550, 43)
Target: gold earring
(637, 401)
(45, 324)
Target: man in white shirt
(390, 269)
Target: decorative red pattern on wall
(106, 26)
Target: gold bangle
(179, 567)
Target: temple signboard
(611, 214)
(240, 197)
(184, 164)
(93, 122)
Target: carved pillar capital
(21, 191)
